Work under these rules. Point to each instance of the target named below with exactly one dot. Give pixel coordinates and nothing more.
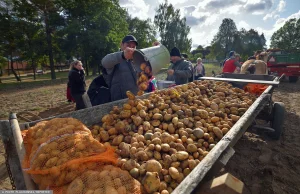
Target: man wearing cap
(179, 70)
(231, 64)
(186, 57)
(121, 74)
(231, 55)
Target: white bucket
(161, 84)
(157, 56)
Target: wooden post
(223, 184)
(20, 148)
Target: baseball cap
(130, 38)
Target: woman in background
(199, 70)
(77, 83)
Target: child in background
(152, 84)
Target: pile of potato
(161, 139)
(144, 75)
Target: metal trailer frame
(10, 131)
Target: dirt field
(264, 165)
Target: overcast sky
(205, 16)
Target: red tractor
(282, 62)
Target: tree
(33, 44)
(224, 39)
(172, 28)
(9, 33)
(48, 13)
(143, 30)
(288, 36)
(94, 28)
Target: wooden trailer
(263, 108)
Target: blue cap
(130, 38)
(231, 53)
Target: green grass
(209, 67)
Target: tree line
(49, 32)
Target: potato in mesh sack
(107, 180)
(62, 159)
(45, 130)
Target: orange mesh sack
(62, 159)
(45, 130)
(107, 180)
(256, 89)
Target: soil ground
(264, 165)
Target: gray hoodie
(182, 72)
(124, 77)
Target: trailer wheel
(278, 119)
(293, 79)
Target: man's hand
(128, 53)
(170, 71)
(156, 43)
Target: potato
(218, 132)
(151, 182)
(167, 178)
(175, 121)
(155, 123)
(167, 117)
(192, 164)
(153, 166)
(182, 155)
(186, 171)
(156, 141)
(122, 190)
(110, 190)
(134, 173)
(157, 116)
(157, 155)
(198, 133)
(235, 118)
(137, 120)
(215, 119)
(75, 186)
(166, 138)
(130, 95)
(225, 130)
(125, 150)
(148, 136)
(165, 147)
(142, 156)
(171, 128)
(104, 136)
(117, 140)
(179, 147)
(191, 148)
(129, 165)
(173, 172)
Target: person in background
(180, 70)
(120, 69)
(77, 83)
(69, 96)
(185, 57)
(256, 54)
(152, 84)
(231, 64)
(231, 55)
(199, 70)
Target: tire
(278, 119)
(293, 79)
